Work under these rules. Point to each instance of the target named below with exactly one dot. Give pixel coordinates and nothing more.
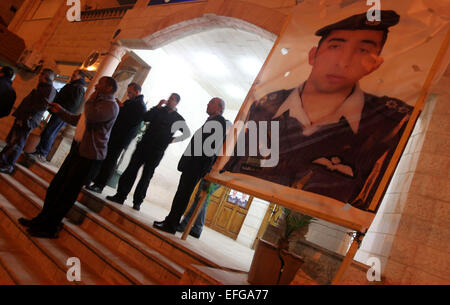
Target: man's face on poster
(343, 58)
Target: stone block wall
(74, 42)
(411, 232)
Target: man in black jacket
(125, 129)
(70, 97)
(28, 117)
(196, 162)
(164, 122)
(7, 93)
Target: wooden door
(228, 214)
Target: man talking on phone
(150, 150)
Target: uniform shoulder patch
(390, 107)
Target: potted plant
(273, 262)
(294, 226)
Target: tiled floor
(212, 244)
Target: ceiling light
(284, 51)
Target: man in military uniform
(335, 139)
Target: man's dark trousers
(108, 166)
(49, 134)
(143, 155)
(188, 181)
(64, 188)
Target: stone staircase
(113, 246)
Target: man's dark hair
(177, 97)
(7, 71)
(111, 82)
(135, 86)
(49, 74)
(383, 39)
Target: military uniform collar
(351, 110)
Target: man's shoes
(180, 228)
(37, 157)
(136, 207)
(193, 234)
(115, 199)
(163, 227)
(95, 188)
(38, 231)
(41, 158)
(6, 169)
(26, 222)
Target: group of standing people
(105, 128)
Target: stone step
(21, 257)
(15, 261)
(5, 277)
(153, 262)
(110, 266)
(135, 224)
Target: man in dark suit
(334, 139)
(164, 121)
(28, 117)
(70, 98)
(7, 93)
(196, 162)
(125, 129)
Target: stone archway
(152, 27)
(196, 25)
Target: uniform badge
(391, 104)
(334, 164)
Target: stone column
(108, 65)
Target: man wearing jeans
(197, 228)
(70, 98)
(28, 117)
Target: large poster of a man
(338, 122)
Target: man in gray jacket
(88, 150)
